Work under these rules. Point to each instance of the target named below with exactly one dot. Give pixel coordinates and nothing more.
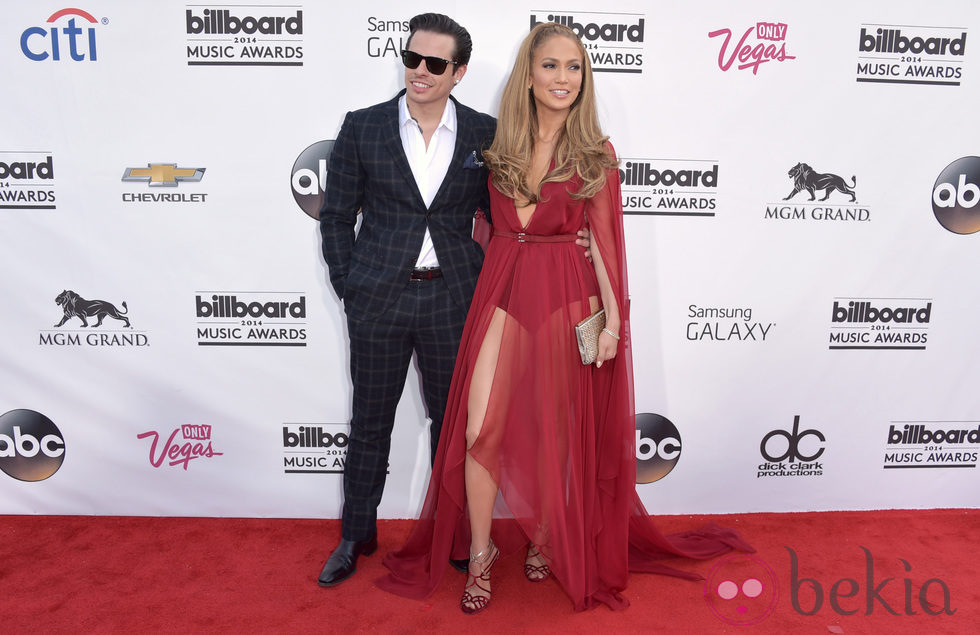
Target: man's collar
(448, 113)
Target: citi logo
(635, 173)
(892, 41)
(77, 42)
(593, 31)
(863, 312)
(222, 22)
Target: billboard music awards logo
(613, 41)
(32, 447)
(68, 34)
(658, 447)
(80, 317)
(725, 324)
(843, 207)
(765, 42)
(309, 177)
(903, 54)
(932, 444)
(955, 196)
(669, 187)
(250, 318)
(165, 176)
(194, 443)
(314, 448)
(26, 180)
(792, 452)
(386, 38)
(880, 323)
(244, 35)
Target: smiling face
(424, 89)
(556, 73)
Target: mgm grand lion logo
(804, 178)
(75, 305)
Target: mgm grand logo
(806, 179)
(79, 313)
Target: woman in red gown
(537, 449)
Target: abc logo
(658, 447)
(796, 447)
(310, 177)
(31, 446)
(956, 195)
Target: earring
(455, 81)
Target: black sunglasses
(436, 65)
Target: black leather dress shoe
(460, 565)
(342, 563)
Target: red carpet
(114, 575)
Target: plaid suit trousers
(423, 319)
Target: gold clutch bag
(587, 334)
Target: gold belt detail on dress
(522, 237)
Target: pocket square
(472, 162)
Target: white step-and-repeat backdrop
(801, 182)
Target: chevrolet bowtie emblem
(163, 174)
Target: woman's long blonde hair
(581, 148)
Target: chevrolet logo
(163, 174)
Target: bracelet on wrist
(607, 331)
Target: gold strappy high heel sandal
(475, 603)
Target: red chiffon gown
(558, 436)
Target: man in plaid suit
(412, 167)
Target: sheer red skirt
(558, 437)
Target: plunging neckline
(529, 218)
(524, 226)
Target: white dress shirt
(429, 164)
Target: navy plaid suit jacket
(369, 172)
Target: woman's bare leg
(481, 490)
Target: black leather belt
(425, 273)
